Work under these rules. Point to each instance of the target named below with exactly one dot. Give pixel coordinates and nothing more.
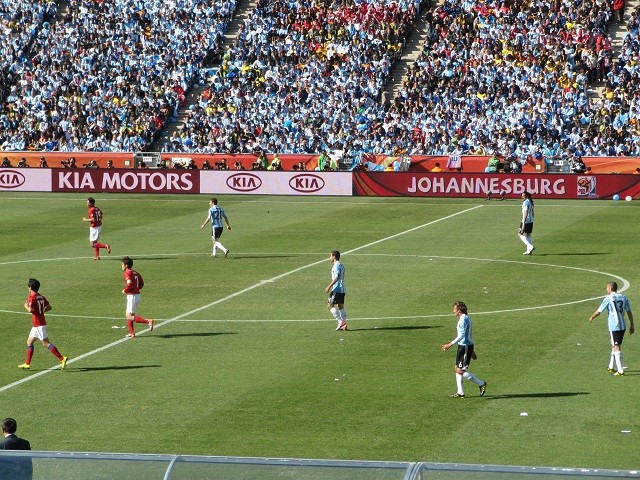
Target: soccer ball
(616, 197)
(628, 198)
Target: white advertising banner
(25, 180)
(259, 182)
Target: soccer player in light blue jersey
(336, 290)
(465, 354)
(616, 305)
(216, 214)
(526, 224)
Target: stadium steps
(243, 11)
(617, 32)
(411, 51)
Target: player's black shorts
(616, 337)
(527, 228)
(217, 232)
(463, 356)
(336, 298)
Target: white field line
(233, 295)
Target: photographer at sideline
(43, 163)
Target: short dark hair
(214, 201)
(614, 286)
(91, 200)
(461, 306)
(9, 425)
(127, 262)
(34, 284)
(336, 254)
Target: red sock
(130, 325)
(99, 245)
(139, 319)
(55, 351)
(29, 354)
(96, 249)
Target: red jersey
(95, 214)
(38, 305)
(132, 281)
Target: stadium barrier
(417, 163)
(357, 183)
(101, 466)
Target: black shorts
(616, 337)
(217, 232)
(526, 228)
(336, 298)
(463, 356)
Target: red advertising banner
(276, 183)
(126, 181)
(393, 184)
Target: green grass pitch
(244, 360)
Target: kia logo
(306, 183)
(11, 179)
(244, 182)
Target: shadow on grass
(568, 254)
(203, 334)
(119, 367)
(536, 395)
(375, 329)
(255, 257)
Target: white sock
(336, 313)
(616, 355)
(525, 241)
(343, 315)
(611, 361)
(473, 378)
(530, 243)
(459, 384)
(220, 246)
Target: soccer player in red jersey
(37, 304)
(133, 283)
(95, 228)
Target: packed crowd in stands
(494, 77)
(301, 78)
(102, 76)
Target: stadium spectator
(14, 468)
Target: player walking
(465, 353)
(95, 228)
(133, 283)
(616, 305)
(337, 291)
(37, 305)
(216, 214)
(526, 224)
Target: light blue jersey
(216, 214)
(616, 304)
(527, 211)
(337, 271)
(464, 328)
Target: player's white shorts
(38, 332)
(133, 299)
(94, 233)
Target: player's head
(335, 254)
(526, 195)
(127, 262)
(91, 201)
(9, 425)
(612, 286)
(34, 284)
(213, 201)
(460, 307)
